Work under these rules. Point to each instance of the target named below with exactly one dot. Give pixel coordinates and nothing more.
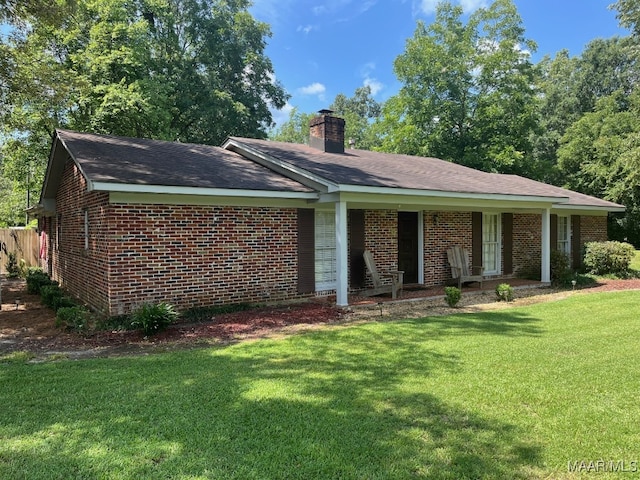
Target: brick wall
(199, 255)
(81, 271)
(451, 228)
(593, 229)
(381, 237)
(527, 244)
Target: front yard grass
(635, 262)
(516, 393)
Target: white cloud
(306, 28)
(313, 89)
(282, 115)
(427, 7)
(471, 5)
(374, 85)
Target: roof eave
(450, 194)
(593, 208)
(200, 191)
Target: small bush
(12, 266)
(73, 318)
(560, 271)
(36, 279)
(608, 258)
(452, 295)
(153, 318)
(504, 292)
(51, 295)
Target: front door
(408, 245)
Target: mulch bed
(26, 325)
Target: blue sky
(325, 47)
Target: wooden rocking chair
(379, 287)
(460, 268)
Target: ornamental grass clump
(153, 317)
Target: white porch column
(342, 253)
(545, 261)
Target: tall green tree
(468, 91)
(359, 112)
(188, 70)
(571, 87)
(600, 155)
(295, 129)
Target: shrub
(73, 318)
(560, 271)
(604, 258)
(153, 318)
(36, 279)
(504, 292)
(452, 295)
(12, 265)
(51, 295)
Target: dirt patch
(26, 325)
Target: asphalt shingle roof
(122, 160)
(376, 169)
(134, 161)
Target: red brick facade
(191, 255)
(593, 229)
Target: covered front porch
(417, 292)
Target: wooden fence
(24, 243)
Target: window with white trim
(564, 235)
(325, 250)
(491, 243)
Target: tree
(570, 87)
(628, 14)
(188, 70)
(358, 112)
(600, 155)
(295, 129)
(467, 93)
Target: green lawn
(516, 393)
(635, 263)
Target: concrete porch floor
(419, 292)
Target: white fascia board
(446, 194)
(210, 192)
(587, 209)
(287, 169)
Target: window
(491, 243)
(86, 229)
(564, 235)
(325, 250)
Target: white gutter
(218, 192)
(448, 194)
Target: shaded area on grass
(337, 403)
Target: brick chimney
(326, 132)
